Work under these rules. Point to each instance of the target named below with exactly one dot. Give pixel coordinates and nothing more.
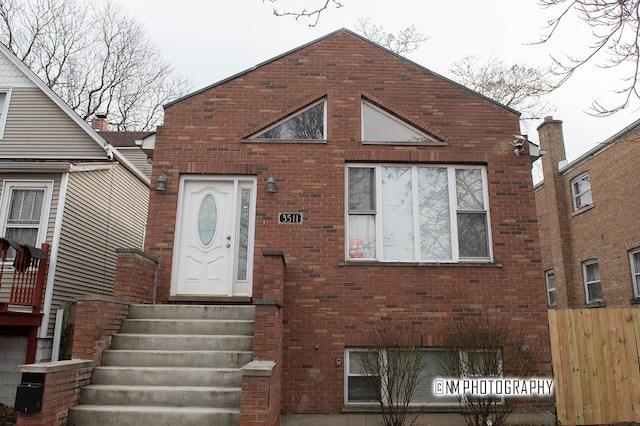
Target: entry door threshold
(210, 300)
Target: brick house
(590, 248)
(384, 141)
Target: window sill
(595, 304)
(485, 264)
(583, 209)
(635, 301)
(375, 408)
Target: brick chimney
(99, 123)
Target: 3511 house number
(290, 218)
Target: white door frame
(237, 287)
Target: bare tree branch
(313, 13)
(615, 31)
(93, 57)
(405, 42)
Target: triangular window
(306, 124)
(382, 127)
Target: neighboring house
(590, 239)
(61, 183)
(393, 193)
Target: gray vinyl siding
(138, 158)
(5, 287)
(104, 210)
(37, 128)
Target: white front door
(213, 249)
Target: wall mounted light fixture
(162, 183)
(271, 184)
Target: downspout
(53, 256)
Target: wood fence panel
(596, 365)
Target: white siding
(11, 76)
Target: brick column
(98, 318)
(262, 379)
(62, 383)
(135, 279)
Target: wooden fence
(596, 365)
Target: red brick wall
(326, 301)
(606, 232)
(98, 318)
(61, 392)
(135, 279)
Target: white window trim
(254, 137)
(7, 190)
(635, 275)
(574, 195)
(587, 283)
(5, 110)
(453, 210)
(547, 274)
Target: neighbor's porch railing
(29, 274)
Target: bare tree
(405, 42)
(615, 30)
(516, 86)
(312, 13)
(483, 348)
(96, 59)
(392, 365)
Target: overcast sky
(210, 40)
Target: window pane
(552, 298)
(243, 243)
(361, 389)
(584, 200)
(26, 206)
(397, 214)
(307, 125)
(593, 272)
(22, 235)
(472, 235)
(595, 291)
(362, 237)
(636, 263)
(378, 126)
(361, 190)
(431, 369)
(435, 219)
(469, 189)
(551, 281)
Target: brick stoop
(169, 365)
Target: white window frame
(453, 211)
(586, 265)
(575, 195)
(4, 110)
(635, 274)
(7, 191)
(550, 278)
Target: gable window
(581, 192)
(4, 108)
(308, 124)
(417, 213)
(25, 207)
(592, 284)
(550, 278)
(378, 126)
(634, 258)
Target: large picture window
(25, 206)
(417, 213)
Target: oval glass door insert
(207, 220)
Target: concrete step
(230, 312)
(182, 342)
(187, 327)
(167, 376)
(162, 358)
(119, 415)
(175, 396)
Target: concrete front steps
(171, 365)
